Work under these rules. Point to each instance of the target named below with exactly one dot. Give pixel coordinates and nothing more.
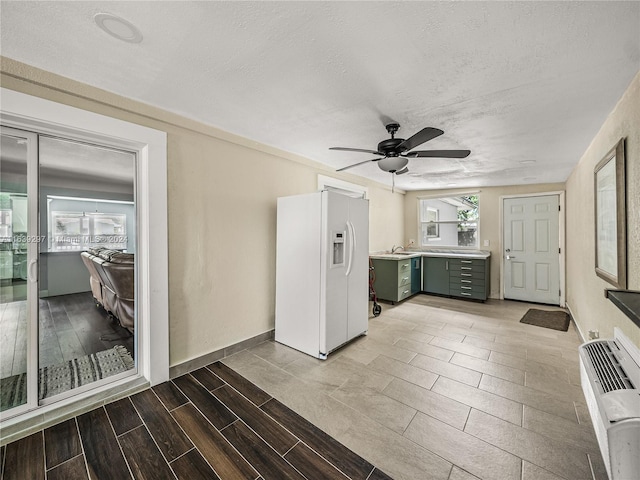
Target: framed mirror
(610, 217)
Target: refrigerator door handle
(352, 246)
(353, 235)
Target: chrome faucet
(394, 248)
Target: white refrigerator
(322, 271)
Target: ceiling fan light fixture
(395, 152)
(392, 164)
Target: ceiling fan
(395, 152)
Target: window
(432, 226)
(80, 231)
(76, 224)
(449, 221)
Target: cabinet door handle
(465, 294)
(466, 261)
(465, 281)
(466, 288)
(447, 265)
(465, 268)
(405, 292)
(465, 274)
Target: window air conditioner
(610, 377)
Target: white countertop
(482, 254)
(395, 256)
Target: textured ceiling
(513, 82)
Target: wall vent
(610, 377)
(608, 370)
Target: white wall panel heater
(610, 376)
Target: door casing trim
(35, 114)
(561, 230)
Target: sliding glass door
(86, 266)
(18, 276)
(68, 262)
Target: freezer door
(298, 272)
(335, 258)
(358, 279)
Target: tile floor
(444, 389)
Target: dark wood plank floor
(210, 424)
(70, 326)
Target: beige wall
(585, 293)
(489, 218)
(222, 192)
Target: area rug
(554, 319)
(65, 376)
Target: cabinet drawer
(404, 267)
(404, 292)
(465, 268)
(469, 294)
(456, 289)
(462, 282)
(463, 262)
(466, 274)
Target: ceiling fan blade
(359, 163)
(345, 149)
(404, 170)
(438, 153)
(419, 138)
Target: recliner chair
(94, 278)
(119, 269)
(112, 279)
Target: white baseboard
(582, 336)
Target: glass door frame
(23, 111)
(74, 392)
(33, 293)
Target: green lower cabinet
(416, 268)
(394, 278)
(457, 277)
(435, 274)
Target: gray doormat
(554, 319)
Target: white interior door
(531, 242)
